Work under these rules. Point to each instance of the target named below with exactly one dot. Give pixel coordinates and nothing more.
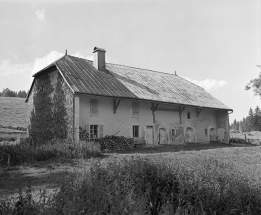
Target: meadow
(13, 112)
(203, 179)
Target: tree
(255, 84)
(251, 119)
(8, 93)
(41, 121)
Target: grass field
(13, 112)
(49, 174)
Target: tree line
(251, 123)
(9, 93)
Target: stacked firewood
(115, 143)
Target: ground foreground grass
(210, 181)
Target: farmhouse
(112, 99)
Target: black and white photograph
(118, 107)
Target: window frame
(135, 133)
(92, 131)
(188, 115)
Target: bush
(25, 152)
(131, 186)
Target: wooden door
(212, 134)
(221, 134)
(149, 135)
(189, 135)
(163, 136)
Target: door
(149, 135)
(189, 135)
(163, 136)
(221, 134)
(212, 134)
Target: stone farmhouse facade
(150, 106)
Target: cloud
(40, 63)
(208, 84)
(40, 15)
(7, 69)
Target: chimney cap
(98, 49)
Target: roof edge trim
(178, 104)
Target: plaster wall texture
(121, 123)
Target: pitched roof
(134, 83)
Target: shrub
(26, 152)
(131, 186)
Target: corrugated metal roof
(130, 82)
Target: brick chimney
(99, 59)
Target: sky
(215, 44)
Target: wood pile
(115, 143)
(109, 142)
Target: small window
(135, 108)
(135, 131)
(206, 131)
(93, 131)
(94, 106)
(173, 132)
(188, 115)
(42, 89)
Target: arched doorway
(212, 134)
(163, 136)
(221, 134)
(189, 135)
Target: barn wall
(222, 123)
(68, 100)
(121, 123)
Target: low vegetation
(137, 185)
(16, 154)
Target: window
(94, 106)
(135, 108)
(206, 131)
(42, 89)
(173, 132)
(188, 115)
(135, 131)
(93, 131)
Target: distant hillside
(13, 112)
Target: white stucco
(121, 122)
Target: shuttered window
(135, 131)
(94, 106)
(101, 131)
(135, 108)
(93, 131)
